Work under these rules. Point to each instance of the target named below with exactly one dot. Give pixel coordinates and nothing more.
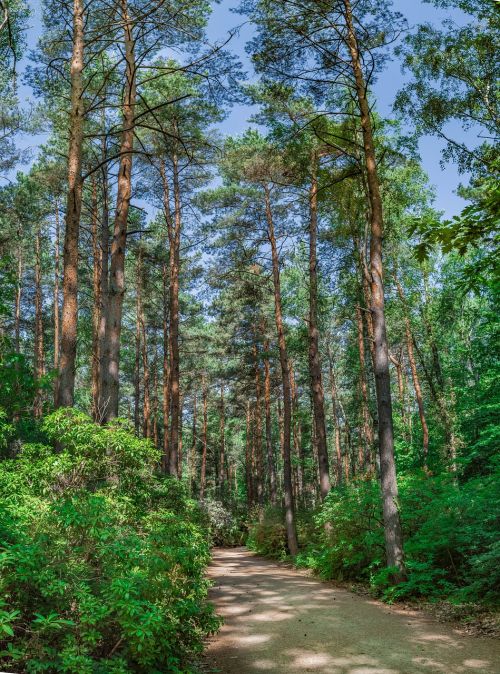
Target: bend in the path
(278, 620)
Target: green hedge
(101, 561)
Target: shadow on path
(277, 620)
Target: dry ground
(279, 620)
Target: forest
(272, 338)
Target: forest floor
(280, 620)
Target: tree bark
(138, 334)
(174, 235)
(124, 193)
(104, 285)
(285, 376)
(39, 360)
(258, 427)
(96, 303)
(69, 316)
(414, 374)
(248, 458)
(19, 290)
(315, 376)
(367, 443)
(392, 523)
(57, 327)
(192, 461)
(336, 418)
(203, 472)
(222, 454)
(269, 443)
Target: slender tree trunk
(365, 457)
(317, 393)
(222, 454)
(414, 373)
(297, 437)
(156, 438)
(39, 359)
(336, 418)
(203, 473)
(19, 290)
(96, 305)
(123, 196)
(285, 376)
(69, 317)
(104, 285)
(392, 523)
(57, 327)
(138, 335)
(402, 392)
(258, 428)
(166, 372)
(192, 462)
(147, 426)
(179, 457)
(248, 457)
(175, 235)
(271, 467)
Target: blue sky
(445, 179)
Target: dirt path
(278, 620)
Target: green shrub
(450, 531)
(267, 535)
(101, 561)
(226, 526)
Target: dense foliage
(271, 336)
(102, 561)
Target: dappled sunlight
(277, 620)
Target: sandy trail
(279, 620)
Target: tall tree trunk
(297, 437)
(365, 457)
(104, 283)
(222, 454)
(138, 336)
(402, 393)
(258, 426)
(69, 316)
(203, 472)
(248, 458)
(271, 467)
(155, 432)
(336, 418)
(124, 192)
(96, 303)
(57, 327)
(147, 425)
(166, 372)
(414, 373)
(39, 359)
(175, 235)
(315, 376)
(179, 457)
(392, 523)
(285, 377)
(192, 461)
(19, 290)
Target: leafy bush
(102, 562)
(267, 535)
(450, 530)
(226, 526)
